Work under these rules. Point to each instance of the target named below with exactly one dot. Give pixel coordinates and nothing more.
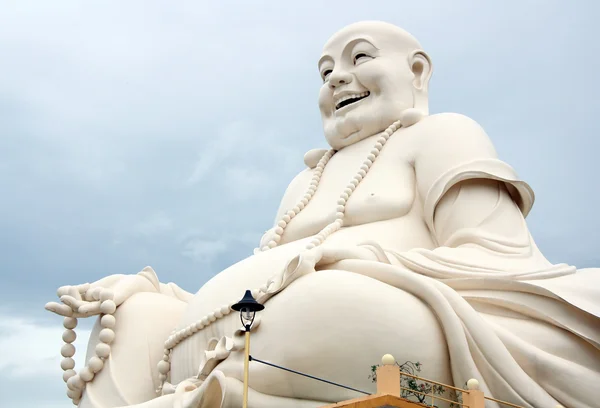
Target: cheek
(325, 99)
(371, 75)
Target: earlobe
(421, 67)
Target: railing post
(474, 397)
(388, 376)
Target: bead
(351, 187)
(103, 350)
(264, 288)
(296, 209)
(341, 201)
(382, 140)
(86, 374)
(108, 321)
(307, 196)
(70, 322)
(272, 244)
(68, 350)
(374, 152)
(277, 238)
(106, 336)
(286, 218)
(354, 182)
(371, 156)
(225, 309)
(339, 222)
(378, 145)
(68, 374)
(218, 313)
(67, 364)
(362, 173)
(69, 336)
(279, 230)
(265, 248)
(340, 208)
(198, 326)
(339, 215)
(73, 394)
(106, 294)
(163, 367)
(345, 195)
(95, 364)
(314, 182)
(162, 377)
(75, 383)
(304, 201)
(358, 177)
(282, 224)
(254, 293)
(291, 213)
(310, 246)
(205, 321)
(364, 167)
(108, 307)
(368, 162)
(211, 318)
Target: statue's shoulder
(449, 122)
(312, 157)
(444, 129)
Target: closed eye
(361, 57)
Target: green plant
(417, 390)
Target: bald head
(372, 71)
(387, 35)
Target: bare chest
(387, 192)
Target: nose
(339, 78)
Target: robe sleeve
(475, 207)
(456, 149)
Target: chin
(354, 127)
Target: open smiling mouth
(350, 99)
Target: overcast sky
(163, 133)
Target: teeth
(350, 96)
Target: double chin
(342, 132)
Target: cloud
(154, 225)
(203, 251)
(29, 348)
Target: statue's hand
(86, 299)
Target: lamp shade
(248, 303)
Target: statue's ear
(420, 65)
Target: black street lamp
(247, 307)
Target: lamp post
(247, 307)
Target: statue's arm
(472, 199)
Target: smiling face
(368, 80)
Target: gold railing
(431, 395)
(457, 390)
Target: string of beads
(76, 382)
(178, 336)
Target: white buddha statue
(407, 236)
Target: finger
(63, 290)
(89, 309)
(74, 292)
(70, 301)
(83, 288)
(59, 309)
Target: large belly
(228, 287)
(332, 324)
